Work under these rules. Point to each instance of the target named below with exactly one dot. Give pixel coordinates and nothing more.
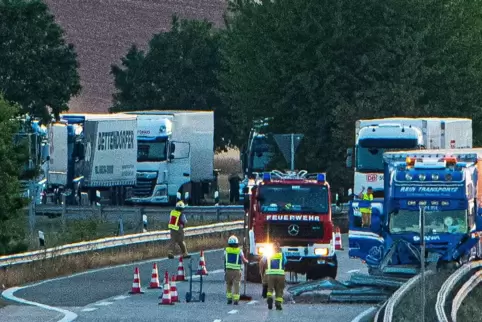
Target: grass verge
(410, 307)
(67, 265)
(471, 306)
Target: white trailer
(176, 155)
(373, 137)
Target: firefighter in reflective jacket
(233, 260)
(366, 212)
(177, 221)
(275, 273)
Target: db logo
(452, 144)
(371, 177)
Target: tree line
(313, 66)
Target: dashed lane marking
(120, 297)
(353, 271)
(89, 309)
(217, 321)
(233, 312)
(252, 302)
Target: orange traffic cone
(174, 295)
(202, 270)
(154, 278)
(181, 274)
(166, 295)
(338, 242)
(136, 285)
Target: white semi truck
(175, 155)
(93, 152)
(373, 137)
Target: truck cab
(293, 209)
(439, 186)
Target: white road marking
(120, 297)
(233, 312)
(104, 303)
(217, 321)
(353, 271)
(70, 316)
(89, 309)
(252, 302)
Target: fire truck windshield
(293, 198)
(436, 222)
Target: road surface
(102, 295)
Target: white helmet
(233, 240)
(180, 205)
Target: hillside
(103, 30)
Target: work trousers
(366, 219)
(177, 239)
(233, 281)
(276, 283)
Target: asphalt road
(102, 295)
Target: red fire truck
(295, 210)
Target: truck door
(179, 166)
(366, 243)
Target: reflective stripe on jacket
(276, 265)
(233, 260)
(368, 197)
(174, 220)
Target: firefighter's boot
(265, 291)
(270, 303)
(278, 306)
(230, 301)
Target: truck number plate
(292, 254)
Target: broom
(244, 296)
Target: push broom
(244, 296)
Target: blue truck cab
(445, 186)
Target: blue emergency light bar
(462, 156)
(320, 177)
(266, 176)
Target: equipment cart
(190, 295)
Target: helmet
(233, 240)
(180, 205)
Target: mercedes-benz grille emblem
(293, 230)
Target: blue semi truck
(441, 185)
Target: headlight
(266, 250)
(435, 176)
(321, 251)
(160, 192)
(408, 177)
(422, 177)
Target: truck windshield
(262, 153)
(294, 198)
(152, 150)
(436, 222)
(371, 159)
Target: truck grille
(307, 230)
(144, 187)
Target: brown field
(103, 30)
(67, 265)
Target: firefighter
(275, 274)
(233, 259)
(366, 212)
(177, 221)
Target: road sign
(288, 144)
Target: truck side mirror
(349, 158)
(173, 147)
(171, 156)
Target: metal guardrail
(110, 242)
(448, 287)
(399, 294)
(473, 282)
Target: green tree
(37, 68)
(317, 66)
(179, 71)
(12, 159)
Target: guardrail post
(140, 213)
(144, 223)
(41, 238)
(64, 211)
(218, 214)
